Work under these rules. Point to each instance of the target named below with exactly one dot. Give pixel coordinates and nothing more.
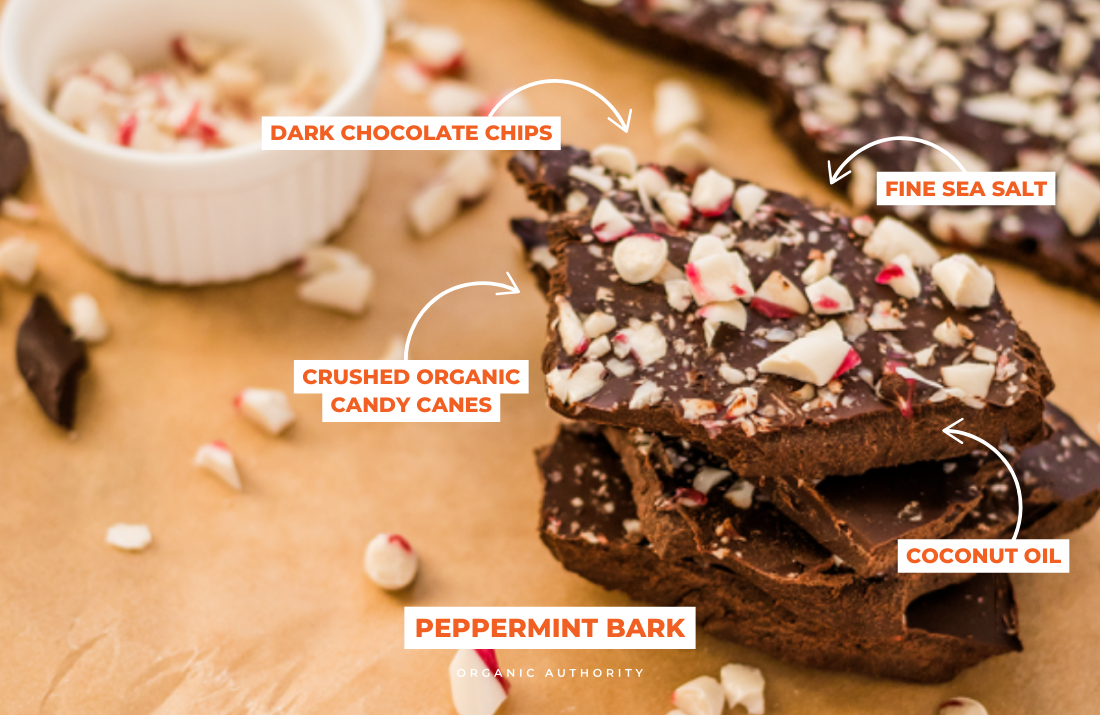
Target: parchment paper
(257, 602)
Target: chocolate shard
(677, 372)
(590, 524)
(14, 158)
(50, 360)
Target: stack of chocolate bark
(761, 388)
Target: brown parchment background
(257, 602)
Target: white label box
(983, 555)
(410, 133)
(550, 628)
(965, 188)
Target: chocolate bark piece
(50, 360)
(867, 417)
(14, 158)
(733, 527)
(906, 80)
(950, 629)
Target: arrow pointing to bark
(625, 126)
(833, 178)
(508, 290)
(1019, 494)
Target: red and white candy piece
(829, 297)
(216, 458)
(731, 312)
(268, 409)
(965, 283)
(477, 685)
(747, 200)
(962, 706)
(346, 289)
(900, 275)
(574, 385)
(86, 320)
(570, 328)
(608, 223)
(638, 259)
(129, 537)
(644, 341)
(719, 277)
(702, 696)
(18, 259)
(778, 297)
(676, 206)
(816, 358)
(438, 49)
(712, 193)
(744, 685)
(614, 158)
(892, 238)
(390, 561)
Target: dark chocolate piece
(589, 524)
(50, 360)
(867, 417)
(827, 112)
(14, 158)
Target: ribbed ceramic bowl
(216, 216)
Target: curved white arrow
(625, 126)
(508, 290)
(835, 178)
(1019, 494)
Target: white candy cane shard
(321, 259)
(129, 537)
(892, 238)
(677, 107)
(676, 206)
(267, 408)
(216, 458)
(570, 328)
(965, 283)
(471, 173)
(439, 49)
(18, 259)
(949, 333)
(740, 495)
(1078, 199)
(644, 341)
(707, 477)
(86, 320)
(346, 290)
(971, 377)
(712, 193)
(647, 394)
(650, 180)
(598, 323)
(900, 275)
(730, 312)
(434, 207)
(829, 297)
(962, 706)
(20, 211)
(639, 258)
(678, 292)
(744, 685)
(688, 151)
(390, 562)
(702, 696)
(815, 358)
(571, 386)
(778, 297)
(747, 200)
(719, 277)
(608, 223)
(478, 687)
(706, 245)
(617, 159)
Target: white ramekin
(210, 217)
